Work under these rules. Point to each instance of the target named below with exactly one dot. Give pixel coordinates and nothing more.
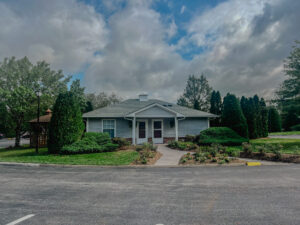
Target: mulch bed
(150, 161)
(271, 157)
(209, 161)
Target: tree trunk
(18, 136)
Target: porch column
(133, 130)
(176, 128)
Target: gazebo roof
(43, 119)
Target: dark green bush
(91, 142)
(219, 135)
(66, 124)
(99, 138)
(120, 141)
(182, 145)
(296, 127)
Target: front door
(141, 132)
(157, 131)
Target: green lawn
(105, 158)
(286, 133)
(290, 146)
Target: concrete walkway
(170, 157)
(285, 136)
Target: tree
(292, 117)
(249, 111)
(264, 117)
(216, 107)
(19, 82)
(6, 124)
(196, 94)
(232, 115)
(274, 122)
(289, 92)
(78, 93)
(66, 125)
(259, 125)
(102, 99)
(89, 107)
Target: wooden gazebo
(43, 129)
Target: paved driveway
(4, 143)
(285, 136)
(149, 196)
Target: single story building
(154, 120)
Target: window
(109, 127)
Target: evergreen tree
(291, 118)
(78, 93)
(259, 126)
(274, 121)
(232, 115)
(264, 117)
(249, 111)
(66, 124)
(216, 107)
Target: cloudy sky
(133, 46)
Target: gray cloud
(64, 33)
(128, 52)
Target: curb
(118, 167)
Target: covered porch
(155, 123)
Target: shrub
(90, 143)
(189, 138)
(219, 135)
(182, 145)
(261, 149)
(99, 138)
(296, 127)
(233, 153)
(233, 117)
(66, 125)
(120, 141)
(247, 148)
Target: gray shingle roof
(131, 105)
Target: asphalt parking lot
(198, 195)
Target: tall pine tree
(249, 111)
(264, 117)
(232, 115)
(66, 125)
(274, 121)
(216, 107)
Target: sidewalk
(170, 157)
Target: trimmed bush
(182, 145)
(219, 135)
(91, 142)
(120, 141)
(99, 138)
(66, 125)
(233, 117)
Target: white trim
(176, 129)
(115, 128)
(162, 131)
(153, 105)
(137, 131)
(20, 220)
